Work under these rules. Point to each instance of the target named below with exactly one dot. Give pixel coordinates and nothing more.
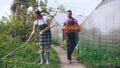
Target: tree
(20, 24)
(61, 8)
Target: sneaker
(69, 62)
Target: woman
(44, 35)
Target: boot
(41, 57)
(47, 57)
(47, 61)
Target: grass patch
(27, 57)
(99, 55)
(64, 47)
(54, 42)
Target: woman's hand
(41, 32)
(30, 36)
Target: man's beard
(69, 16)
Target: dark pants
(71, 43)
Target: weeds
(27, 57)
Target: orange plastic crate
(69, 29)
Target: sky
(5, 8)
(79, 7)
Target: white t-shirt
(41, 21)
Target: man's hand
(63, 28)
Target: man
(71, 37)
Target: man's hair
(69, 11)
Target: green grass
(99, 55)
(26, 57)
(63, 47)
(56, 43)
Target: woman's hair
(38, 13)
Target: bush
(14, 28)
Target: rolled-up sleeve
(64, 23)
(76, 22)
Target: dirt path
(62, 55)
